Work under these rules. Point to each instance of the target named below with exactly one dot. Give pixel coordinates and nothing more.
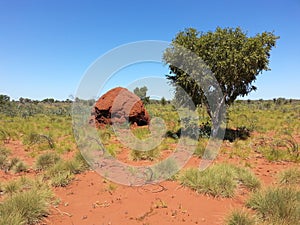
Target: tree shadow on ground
(241, 133)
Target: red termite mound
(118, 106)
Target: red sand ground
(91, 200)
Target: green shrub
(20, 167)
(62, 179)
(248, 179)
(79, 158)
(238, 217)
(145, 155)
(141, 132)
(219, 180)
(200, 149)
(164, 170)
(210, 181)
(111, 149)
(46, 160)
(13, 162)
(62, 173)
(14, 218)
(28, 206)
(289, 177)
(17, 165)
(4, 153)
(277, 205)
(12, 187)
(42, 141)
(25, 201)
(73, 166)
(281, 147)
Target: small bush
(62, 173)
(62, 179)
(141, 132)
(12, 219)
(42, 141)
(290, 177)
(111, 149)
(211, 181)
(19, 166)
(4, 153)
(219, 180)
(27, 206)
(277, 205)
(281, 147)
(238, 217)
(12, 187)
(248, 179)
(73, 166)
(79, 158)
(200, 149)
(46, 160)
(59, 174)
(26, 203)
(164, 170)
(145, 155)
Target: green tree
(4, 99)
(234, 59)
(5, 104)
(163, 101)
(142, 94)
(48, 100)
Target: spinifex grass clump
(141, 132)
(26, 201)
(165, 169)
(4, 153)
(18, 166)
(46, 160)
(290, 176)
(239, 217)
(10, 164)
(277, 205)
(62, 172)
(201, 146)
(41, 141)
(281, 147)
(145, 155)
(219, 180)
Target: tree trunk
(218, 116)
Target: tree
(4, 99)
(4, 103)
(142, 94)
(234, 59)
(24, 100)
(48, 100)
(163, 101)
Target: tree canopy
(4, 99)
(234, 59)
(142, 94)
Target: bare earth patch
(92, 200)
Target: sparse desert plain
(149, 112)
(253, 180)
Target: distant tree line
(25, 107)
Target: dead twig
(63, 213)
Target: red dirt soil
(92, 200)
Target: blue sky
(47, 46)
